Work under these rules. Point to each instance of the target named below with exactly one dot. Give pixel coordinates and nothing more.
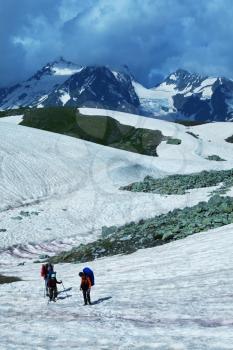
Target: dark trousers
(52, 293)
(86, 296)
(46, 286)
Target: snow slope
(61, 189)
(57, 191)
(192, 151)
(173, 297)
(14, 119)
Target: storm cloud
(152, 37)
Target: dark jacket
(52, 283)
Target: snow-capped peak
(58, 67)
(63, 67)
(35, 91)
(179, 74)
(184, 79)
(186, 93)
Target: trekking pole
(44, 292)
(64, 289)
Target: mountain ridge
(181, 95)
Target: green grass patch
(99, 129)
(190, 122)
(192, 134)
(8, 279)
(9, 112)
(171, 141)
(229, 139)
(216, 158)
(179, 184)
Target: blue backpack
(88, 272)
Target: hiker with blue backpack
(87, 281)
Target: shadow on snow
(98, 301)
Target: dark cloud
(153, 37)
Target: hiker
(46, 271)
(88, 272)
(85, 286)
(50, 269)
(52, 286)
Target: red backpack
(43, 271)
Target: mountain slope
(93, 87)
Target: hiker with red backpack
(87, 281)
(46, 271)
(52, 286)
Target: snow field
(73, 186)
(78, 218)
(176, 296)
(57, 191)
(173, 297)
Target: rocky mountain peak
(59, 66)
(184, 79)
